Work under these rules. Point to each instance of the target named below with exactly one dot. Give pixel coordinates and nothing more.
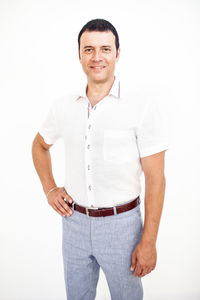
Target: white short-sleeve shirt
(104, 143)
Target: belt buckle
(87, 212)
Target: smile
(98, 68)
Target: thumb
(133, 262)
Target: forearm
(43, 166)
(154, 199)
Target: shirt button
(88, 146)
(85, 137)
(90, 187)
(88, 167)
(89, 126)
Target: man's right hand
(56, 200)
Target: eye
(88, 50)
(106, 49)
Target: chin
(102, 80)
(98, 78)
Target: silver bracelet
(55, 187)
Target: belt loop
(73, 205)
(139, 200)
(115, 210)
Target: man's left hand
(144, 259)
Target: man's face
(98, 55)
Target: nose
(96, 56)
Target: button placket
(88, 151)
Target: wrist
(148, 241)
(51, 190)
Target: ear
(118, 54)
(79, 56)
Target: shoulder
(135, 101)
(64, 101)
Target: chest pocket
(118, 145)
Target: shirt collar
(114, 91)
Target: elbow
(156, 179)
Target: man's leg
(81, 270)
(113, 240)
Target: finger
(65, 210)
(150, 269)
(133, 262)
(65, 206)
(138, 270)
(144, 272)
(57, 210)
(67, 197)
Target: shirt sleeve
(49, 129)
(151, 134)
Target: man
(110, 138)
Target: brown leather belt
(105, 211)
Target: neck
(97, 91)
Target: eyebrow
(105, 46)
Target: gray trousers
(89, 243)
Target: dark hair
(99, 25)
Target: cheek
(84, 64)
(111, 60)
(111, 64)
(84, 60)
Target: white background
(160, 48)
